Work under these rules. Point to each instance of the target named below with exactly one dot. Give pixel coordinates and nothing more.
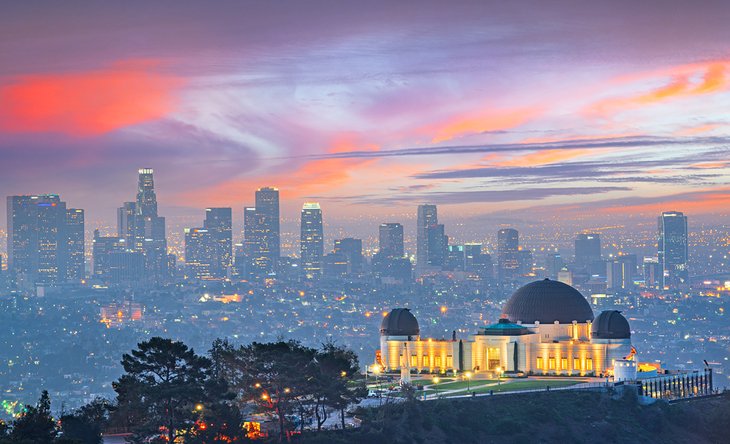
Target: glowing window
(426, 361)
(540, 363)
(551, 363)
(589, 364)
(437, 361)
(576, 364)
(449, 362)
(564, 364)
(414, 361)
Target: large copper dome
(547, 301)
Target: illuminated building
(198, 257)
(390, 240)
(351, 249)
(620, 272)
(45, 241)
(311, 240)
(652, 272)
(588, 253)
(508, 264)
(114, 263)
(427, 217)
(262, 234)
(547, 328)
(672, 249)
(219, 222)
(438, 246)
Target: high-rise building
(219, 222)
(75, 246)
(198, 253)
(672, 249)
(456, 258)
(526, 263)
(652, 272)
(427, 217)
(390, 240)
(268, 230)
(351, 249)
(311, 240)
(508, 243)
(45, 241)
(438, 246)
(114, 263)
(620, 272)
(477, 263)
(144, 230)
(588, 252)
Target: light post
(499, 375)
(467, 375)
(376, 371)
(435, 381)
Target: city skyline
(476, 114)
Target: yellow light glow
(199, 407)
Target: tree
(275, 376)
(85, 425)
(340, 383)
(163, 383)
(35, 424)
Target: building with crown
(547, 328)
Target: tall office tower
(38, 240)
(198, 258)
(148, 228)
(126, 216)
(438, 245)
(477, 263)
(620, 272)
(390, 240)
(311, 240)
(672, 249)
(268, 233)
(114, 262)
(351, 249)
(553, 264)
(526, 262)
(652, 272)
(427, 217)
(75, 270)
(588, 252)
(508, 264)
(219, 222)
(456, 258)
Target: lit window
(449, 362)
(426, 361)
(414, 361)
(576, 364)
(540, 363)
(551, 363)
(564, 364)
(589, 364)
(437, 361)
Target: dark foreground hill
(567, 417)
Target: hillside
(570, 417)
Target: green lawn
(463, 384)
(528, 385)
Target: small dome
(610, 324)
(547, 301)
(399, 322)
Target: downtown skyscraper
(45, 242)
(672, 250)
(143, 229)
(208, 249)
(508, 261)
(262, 234)
(311, 241)
(427, 218)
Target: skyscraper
(267, 227)
(508, 264)
(143, 229)
(311, 240)
(390, 240)
(45, 241)
(351, 249)
(438, 245)
(672, 249)
(198, 257)
(588, 252)
(114, 262)
(427, 217)
(219, 222)
(75, 269)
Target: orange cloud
(709, 201)
(697, 129)
(484, 121)
(545, 157)
(87, 103)
(684, 80)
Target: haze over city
(310, 210)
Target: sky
(486, 107)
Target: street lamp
(199, 407)
(499, 375)
(435, 381)
(467, 375)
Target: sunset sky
(367, 107)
